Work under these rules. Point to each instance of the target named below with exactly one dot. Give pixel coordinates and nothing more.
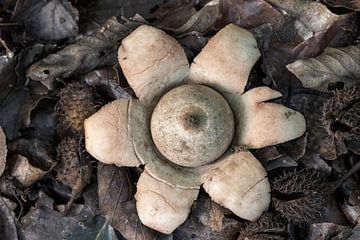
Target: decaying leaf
(247, 13)
(96, 229)
(74, 167)
(174, 14)
(300, 195)
(351, 4)
(205, 222)
(334, 65)
(327, 231)
(43, 222)
(117, 203)
(7, 222)
(269, 226)
(202, 20)
(48, 20)
(82, 56)
(104, 80)
(3, 151)
(25, 173)
(8, 80)
(313, 15)
(40, 153)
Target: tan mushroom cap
(226, 60)
(152, 62)
(239, 183)
(3, 151)
(192, 125)
(107, 137)
(263, 123)
(160, 206)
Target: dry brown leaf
(25, 173)
(82, 56)
(117, 203)
(250, 14)
(351, 4)
(313, 15)
(3, 151)
(202, 20)
(334, 65)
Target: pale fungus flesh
(226, 61)
(182, 134)
(264, 123)
(160, 206)
(107, 137)
(152, 62)
(239, 182)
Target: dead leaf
(203, 223)
(202, 20)
(7, 222)
(24, 172)
(96, 229)
(313, 15)
(251, 14)
(319, 231)
(350, 4)
(10, 119)
(82, 56)
(40, 153)
(48, 20)
(8, 80)
(3, 151)
(334, 65)
(174, 14)
(43, 222)
(355, 233)
(105, 82)
(117, 203)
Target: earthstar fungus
(184, 121)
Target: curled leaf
(202, 20)
(334, 65)
(82, 56)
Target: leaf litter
(309, 53)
